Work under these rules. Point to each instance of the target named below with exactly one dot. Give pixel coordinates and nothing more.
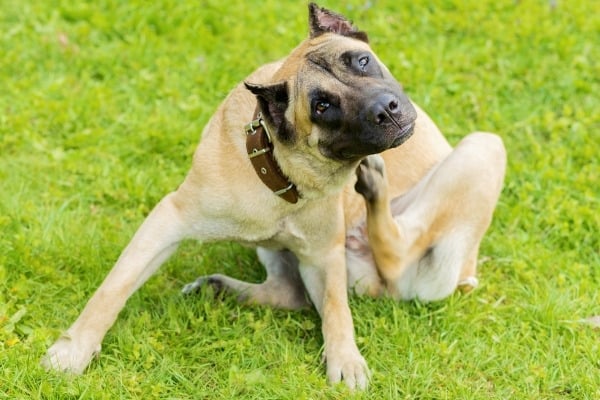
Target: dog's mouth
(381, 123)
(405, 132)
(377, 142)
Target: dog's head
(333, 93)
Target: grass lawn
(102, 104)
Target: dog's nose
(384, 108)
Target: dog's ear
(322, 21)
(273, 100)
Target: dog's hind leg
(386, 238)
(283, 287)
(454, 203)
(152, 244)
(426, 243)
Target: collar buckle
(259, 146)
(252, 127)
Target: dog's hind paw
(370, 177)
(468, 284)
(192, 287)
(201, 282)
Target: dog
(276, 168)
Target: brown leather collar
(260, 151)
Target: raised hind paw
(370, 175)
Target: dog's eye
(362, 62)
(321, 106)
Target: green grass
(102, 104)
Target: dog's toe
(375, 163)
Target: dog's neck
(259, 145)
(318, 180)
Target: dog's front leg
(324, 276)
(153, 243)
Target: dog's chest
(285, 233)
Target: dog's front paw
(347, 365)
(69, 355)
(370, 177)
